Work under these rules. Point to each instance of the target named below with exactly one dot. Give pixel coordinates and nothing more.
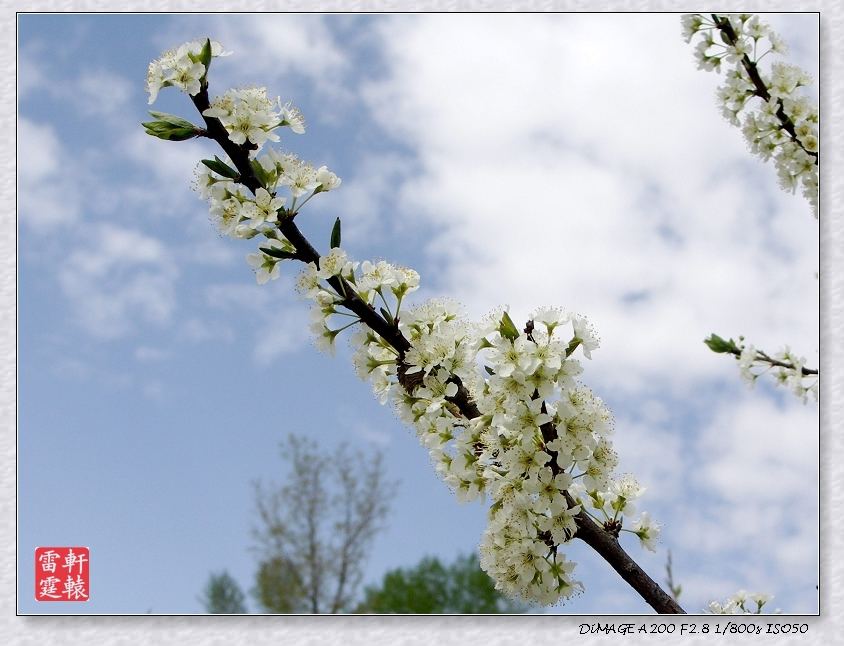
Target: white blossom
(537, 448)
(647, 531)
(266, 266)
(326, 180)
(741, 603)
(786, 367)
(180, 67)
(247, 115)
(792, 142)
(292, 118)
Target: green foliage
(260, 174)
(335, 234)
(170, 127)
(223, 596)
(721, 346)
(205, 56)
(221, 168)
(278, 587)
(277, 253)
(433, 588)
(507, 328)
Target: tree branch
(723, 23)
(763, 356)
(239, 155)
(604, 543)
(611, 551)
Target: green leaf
(205, 54)
(221, 168)
(169, 132)
(335, 234)
(507, 328)
(387, 316)
(719, 345)
(260, 173)
(277, 253)
(172, 119)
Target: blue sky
(573, 160)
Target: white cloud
(752, 477)
(282, 332)
(206, 248)
(30, 76)
(271, 313)
(580, 160)
(71, 368)
(237, 296)
(148, 354)
(40, 152)
(121, 276)
(366, 195)
(94, 92)
(48, 191)
(760, 453)
(172, 166)
(99, 93)
(199, 330)
(367, 432)
(653, 454)
(280, 45)
(154, 390)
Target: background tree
(223, 596)
(674, 588)
(431, 587)
(316, 530)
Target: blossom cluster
(370, 282)
(181, 67)
(239, 213)
(538, 446)
(500, 410)
(248, 114)
(738, 604)
(249, 117)
(783, 123)
(786, 366)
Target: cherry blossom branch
(785, 126)
(761, 90)
(598, 538)
(607, 546)
(241, 133)
(791, 373)
(305, 251)
(763, 356)
(723, 346)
